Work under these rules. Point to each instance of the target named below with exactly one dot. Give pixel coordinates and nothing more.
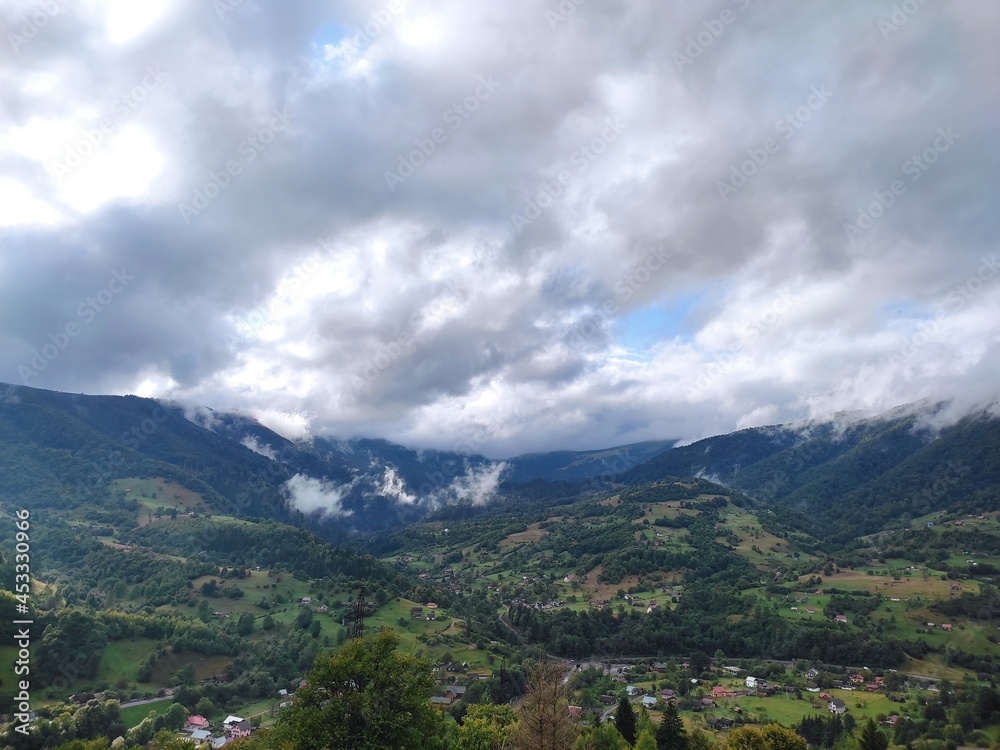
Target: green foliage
(625, 720)
(670, 734)
(767, 737)
(368, 696)
(486, 727)
(872, 737)
(604, 737)
(73, 644)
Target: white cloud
(319, 297)
(311, 495)
(253, 444)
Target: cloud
(311, 495)
(478, 486)
(261, 449)
(852, 268)
(394, 487)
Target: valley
(165, 585)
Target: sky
(503, 227)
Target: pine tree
(670, 735)
(625, 720)
(545, 721)
(872, 737)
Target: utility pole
(358, 630)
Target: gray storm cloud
(615, 221)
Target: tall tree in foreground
(367, 696)
(670, 735)
(545, 720)
(872, 737)
(625, 720)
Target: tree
(604, 737)
(205, 707)
(185, 675)
(768, 737)
(545, 720)
(244, 626)
(646, 741)
(872, 737)
(625, 720)
(670, 735)
(367, 696)
(487, 727)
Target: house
(810, 610)
(431, 605)
(568, 579)
(946, 626)
(660, 666)
(607, 700)
(707, 703)
(668, 695)
(197, 722)
(890, 721)
(239, 729)
(718, 691)
(219, 742)
(322, 609)
(723, 722)
(231, 720)
(858, 679)
(441, 701)
(752, 682)
(837, 706)
(416, 613)
(812, 674)
(455, 691)
(632, 691)
(732, 670)
(825, 697)
(576, 712)
(649, 701)
(201, 735)
(841, 618)
(305, 600)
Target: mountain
(835, 479)
(841, 479)
(63, 450)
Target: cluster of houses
(452, 693)
(199, 729)
(306, 601)
(539, 605)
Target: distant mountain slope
(62, 449)
(844, 479)
(557, 466)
